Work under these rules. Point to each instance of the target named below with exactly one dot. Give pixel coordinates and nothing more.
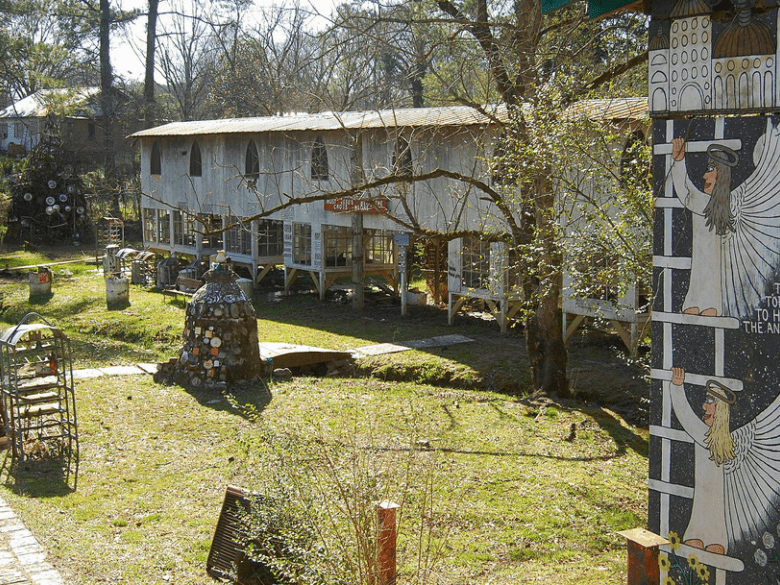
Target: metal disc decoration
(47, 201)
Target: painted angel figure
(737, 473)
(736, 232)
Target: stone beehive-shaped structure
(220, 336)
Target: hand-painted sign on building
(715, 402)
(715, 428)
(706, 61)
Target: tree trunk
(358, 301)
(106, 83)
(544, 328)
(546, 348)
(151, 40)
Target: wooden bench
(189, 284)
(172, 292)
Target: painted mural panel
(702, 60)
(715, 421)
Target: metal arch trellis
(37, 397)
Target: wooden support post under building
(642, 547)
(358, 300)
(386, 538)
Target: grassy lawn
(493, 488)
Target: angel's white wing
(753, 477)
(752, 249)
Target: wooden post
(401, 242)
(358, 300)
(642, 547)
(386, 538)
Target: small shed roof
(395, 118)
(611, 109)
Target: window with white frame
(183, 229)
(338, 245)
(163, 226)
(19, 130)
(302, 244)
(210, 227)
(270, 238)
(238, 237)
(150, 225)
(475, 258)
(379, 247)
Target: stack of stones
(220, 336)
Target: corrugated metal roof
(400, 118)
(37, 104)
(611, 109)
(407, 117)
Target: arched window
(319, 160)
(196, 162)
(155, 162)
(402, 158)
(252, 162)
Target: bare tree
(380, 58)
(277, 66)
(150, 103)
(186, 57)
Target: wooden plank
(263, 273)
(454, 308)
(288, 355)
(573, 327)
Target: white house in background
(78, 114)
(205, 185)
(22, 122)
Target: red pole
(386, 538)
(642, 547)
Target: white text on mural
(767, 317)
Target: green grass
(509, 497)
(149, 330)
(21, 258)
(491, 489)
